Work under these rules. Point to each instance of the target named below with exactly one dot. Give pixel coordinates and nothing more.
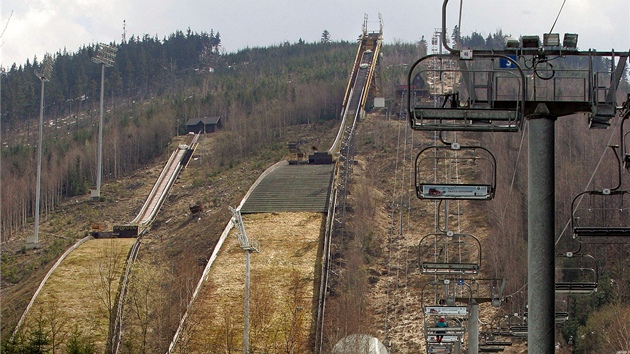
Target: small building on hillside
(418, 88)
(203, 125)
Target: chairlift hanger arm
(620, 166)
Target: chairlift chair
(468, 95)
(439, 254)
(604, 219)
(517, 325)
(455, 172)
(448, 299)
(500, 326)
(578, 274)
(488, 290)
(562, 312)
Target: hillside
(376, 287)
(176, 241)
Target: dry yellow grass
(73, 297)
(288, 255)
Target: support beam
(540, 221)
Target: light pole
(105, 56)
(248, 246)
(43, 75)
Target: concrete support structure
(541, 227)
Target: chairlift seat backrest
(577, 274)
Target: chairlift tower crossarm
(486, 106)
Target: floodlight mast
(248, 246)
(43, 75)
(105, 56)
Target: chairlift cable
(395, 176)
(601, 158)
(517, 291)
(402, 179)
(401, 216)
(394, 254)
(392, 226)
(409, 196)
(459, 25)
(559, 12)
(518, 157)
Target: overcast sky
(34, 27)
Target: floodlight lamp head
(530, 42)
(511, 42)
(105, 54)
(570, 40)
(46, 71)
(551, 39)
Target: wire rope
(408, 229)
(392, 226)
(459, 25)
(518, 158)
(517, 291)
(559, 12)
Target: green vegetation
(257, 92)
